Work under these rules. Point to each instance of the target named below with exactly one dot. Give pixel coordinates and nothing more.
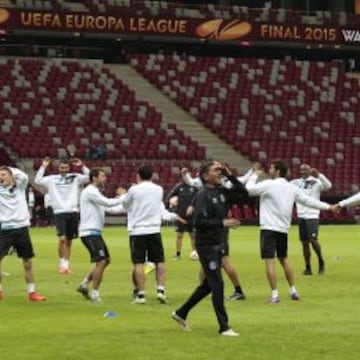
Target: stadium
(120, 84)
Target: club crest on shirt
(213, 265)
(222, 198)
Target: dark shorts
(273, 244)
(308, 229)
(67, 225)
(19, 239)
(225, 250)
(181, 228)
(49, 214)
(150, 245)
(97, 248)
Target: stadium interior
(174, 101)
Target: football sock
(141, 294)
(30, 287)
(85, 283)
(95, 294)
(161, 289)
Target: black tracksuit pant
(210, 257)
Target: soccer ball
(194, 255)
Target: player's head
(97, 177)
(210, 173)
(6, 176)
(64, 167)
(145, 173)
(277, 169)
(305, 170)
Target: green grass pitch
(324, 324)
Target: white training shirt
(351, 201)
(313, 187)
(64, 191)
(277, 197)
(143, 204)
(93, 205)
(14, 212)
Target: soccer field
(324, 324)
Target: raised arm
(84, 177)
(189, 180)
(40, 179)
(21, 179)
(255, 188)
(325, 183)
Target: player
(238, 293)
(143, 206)
(312, 183)
(92, 214)
(277, 197)
(211, 206)
(15, 222)
(64, 191)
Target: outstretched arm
(351, 201)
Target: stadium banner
(236, 31)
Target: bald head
(305, 170)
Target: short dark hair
(64, 161)
(204, 169)
(281, 167)
(145, 172)
(94, 173)
(6, 168)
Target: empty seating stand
(46, 105)
(300, 111)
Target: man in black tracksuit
(211, 206)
